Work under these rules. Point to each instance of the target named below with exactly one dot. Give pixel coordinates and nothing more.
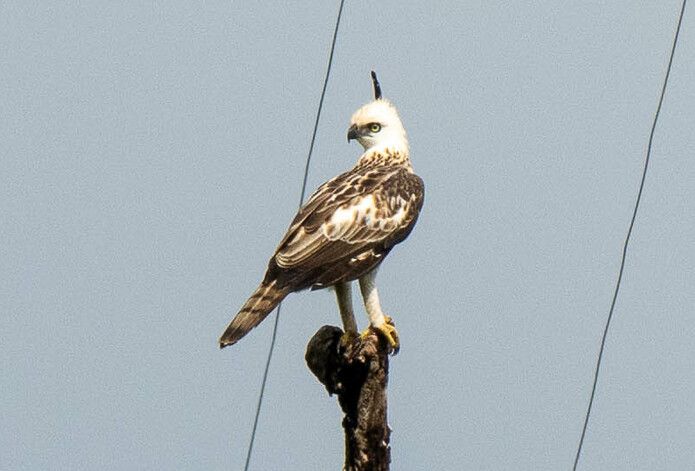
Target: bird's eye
(375, 127)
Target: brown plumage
(259, 305)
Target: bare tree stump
(358, 374)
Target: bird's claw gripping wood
(347, 338)
(389, 332)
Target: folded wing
(358, 213)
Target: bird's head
(377, 125)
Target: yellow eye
(375, 127)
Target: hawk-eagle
(346, 228)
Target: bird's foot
(389, 332)
(348, 337)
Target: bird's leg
(377, 319)
(343, 292)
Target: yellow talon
(388, 330)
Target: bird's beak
(352, 133)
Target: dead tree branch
(358, 374)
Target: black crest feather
(377, 87)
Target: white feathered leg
(377, 319)
(370, 295)
(343, 292)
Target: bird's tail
(259, 305)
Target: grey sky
(152, 157)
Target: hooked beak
(352, 133)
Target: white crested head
(377, 125)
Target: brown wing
(358, 214)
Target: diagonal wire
(301, 200)
(323, 95)
(627, 238)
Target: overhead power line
(627, 239)
(301, 200)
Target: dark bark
(358, 374)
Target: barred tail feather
(260, 304)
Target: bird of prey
(346, 228)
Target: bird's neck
(385, 155)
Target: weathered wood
(358, 374)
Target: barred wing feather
(351, 213)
